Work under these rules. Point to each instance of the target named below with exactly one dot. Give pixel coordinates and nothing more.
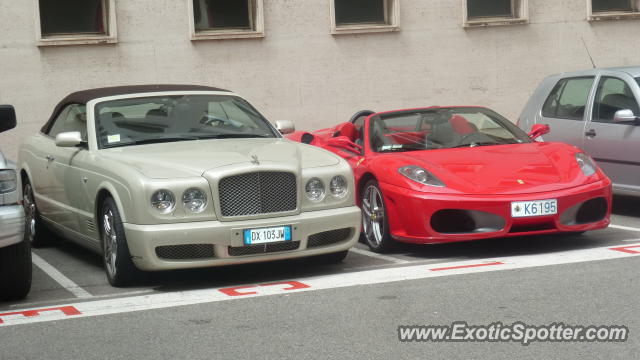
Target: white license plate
(267, 235)
(534, 208)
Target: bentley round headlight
(163, 201)
(338, 186)
(194, 200)
(315, 189)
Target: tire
(333, 258)
(35, 231)
(116, 258)
(15, 271)
(574, 233)
(374, 219)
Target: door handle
(50, 158)
(590, 133)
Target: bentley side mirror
(7, 117)
(343, 142)
(285, 127)
(538, 130)
(69, 139)
(622, 116)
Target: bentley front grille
(262, 192)
(328, 237)
(185, 252)
(263, 248)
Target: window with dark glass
(223, 14)
(71, 17)
(613, 95)
(490, 8)
(349, 12)
(568, 99)
(611, 5)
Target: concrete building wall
(300, 72)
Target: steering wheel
(473, 137)
(215, 121)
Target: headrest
(461, 125)
(347, 129)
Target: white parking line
(379, 256)
(56, 275)
(359, 278)
(94, 297)
(629, 228)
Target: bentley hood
(504, 169)
(193, 158)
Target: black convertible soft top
(84, 96)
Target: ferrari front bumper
(419, 217)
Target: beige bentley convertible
(169, 176)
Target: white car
(169, 176)
(15, 251)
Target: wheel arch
(23, 178)
(364, 179)
(25, 174)
(107, 190)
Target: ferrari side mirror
(538, 130)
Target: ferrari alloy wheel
(34, 230)
(116, 258)
(374, 219)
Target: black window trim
(257, 30)
(110, 35)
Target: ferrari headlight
(163, 201)
(8, 181)
(586, 163)
(194, 200)
(339, 186)
(418, 174)
(315, 189)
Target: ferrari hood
(504, 169)
(193, 158)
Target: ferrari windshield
(442, 128)
(171, 118)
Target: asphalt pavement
(349, 310)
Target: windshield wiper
(402, 149)
(474, 144)
(154, 141)
(232, 136)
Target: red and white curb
(378, 276)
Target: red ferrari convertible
(443, 174)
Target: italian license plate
(267, 235)
(534, 208)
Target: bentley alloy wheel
(116, 258)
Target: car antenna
(588, 53)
